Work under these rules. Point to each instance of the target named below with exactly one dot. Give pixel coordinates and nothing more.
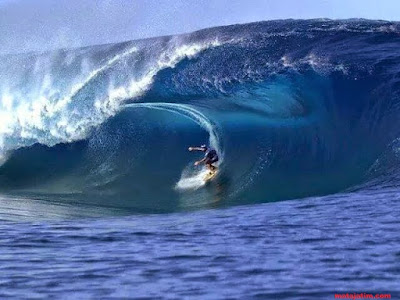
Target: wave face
(294, 108)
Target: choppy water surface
(306, 249)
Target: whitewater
(96, 181)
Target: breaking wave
(294, 108)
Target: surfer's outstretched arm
(196, 149)
(200, 161)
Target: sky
(36, 25)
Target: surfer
(210, 156)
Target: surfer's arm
(196, 149)
(200, 161)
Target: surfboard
(210, 175)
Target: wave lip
(47, 117)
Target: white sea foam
(192, 180)
(168, 59)
(43, 115)
(317, 63)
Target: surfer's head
(204, 147)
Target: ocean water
(99, 197)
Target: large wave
(295, 109)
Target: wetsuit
(211, 156)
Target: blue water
(300, 249)
(99, 197)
